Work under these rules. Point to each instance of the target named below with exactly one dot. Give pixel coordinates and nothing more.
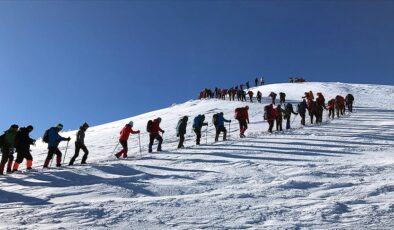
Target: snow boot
(16, 166)
(46, 163)
(29, 164)
(59, 161)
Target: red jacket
(242, 114)
(125, 133)
(331, 104)
(340, 101)
(156, 127)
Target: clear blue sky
(100, 61)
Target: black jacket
(23, 141)
(81, 136)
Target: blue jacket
(198, 122)
(221, 120)
(54, 138)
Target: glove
(138, 131)
(69, 138)
(162, 131)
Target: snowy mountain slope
(337, 175)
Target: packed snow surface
(338, 175)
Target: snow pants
(123, 151)
(23, 154)
(152, 138)
(53, 151)
(243, 126)
(220, 129)
(197, 131)
(7, 157)
(78, 147)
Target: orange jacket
(125, 133)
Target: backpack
(267, 112)
(196, 122)
(178, 125)
(289, 107)
(237, 114)
(149, 126)
(350, 97)
(215, 119)
(45, 137)
(2, 140)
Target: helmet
(246, 107)
(85, 125)
(30, 127)
(159, 118)
(131, 123)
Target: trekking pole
(64, 157)
(206, 135)
(115, 149)
(294, 118)
(229, 129)
(139, 142)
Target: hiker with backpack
(349, 102)
(8, 140)
(181, 130)
(278, 118)
(23, 148)
(287, 114)
(312, 110)
(320, 103)
(282, 97)
(340, 105)
(243, 96)
(301, 108)
(273, 97)
(269, 116)
(239, 95)
(153, 128)
(218, 121)
(331, 108)
(241, 114)
(258, 96)
(124, 137)
(198, 123)
(250, 93)
(80, 144)
(53, 139)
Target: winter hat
(85, 125)
(14, 126)
(247, 107)
(30, 127)
(131, 123)
(59, 126)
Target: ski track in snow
(338, 175)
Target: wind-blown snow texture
(337, 175)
